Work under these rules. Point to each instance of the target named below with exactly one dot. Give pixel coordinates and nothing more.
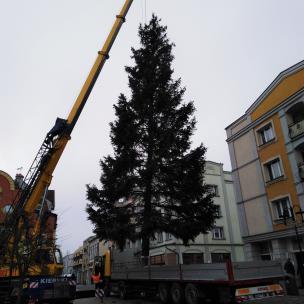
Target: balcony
(296, 129)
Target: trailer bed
(222, 273)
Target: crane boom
(45, 178)
(40, 173)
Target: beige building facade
(90, 252)
(266, 147)
(77, 264)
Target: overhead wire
(145, 4)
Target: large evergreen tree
(153, 162)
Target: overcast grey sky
(227, 53)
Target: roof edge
(284, 74)
(237, 121)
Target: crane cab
(50, 261)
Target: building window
(168, 236)
(273, 169)
(300, 159)
(265, 250)
(220, 257)
(219, 211)
(138, 244)
(283, 208)
(160, 237)
(157, 259)
(265, 134)
(213, 189)
(193, 258)
(218, 233)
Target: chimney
(19, 180)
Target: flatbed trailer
(191, 283)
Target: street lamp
(286, 215)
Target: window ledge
(276, 180)
(223, 239)
(288, 221)
(266, 144)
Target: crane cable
(144, 11)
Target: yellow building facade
(266, 147)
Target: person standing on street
(96, 279)
(289, 268)
(291, 285)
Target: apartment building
(68, 265)
(224, 241)
(266, 147)
(77, 264)
(90, 252)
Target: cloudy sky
(227, 53)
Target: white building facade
(68, 264)
(223, 242)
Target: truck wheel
(164, 293)
(191, 294)
(177, 293)
(122, 290)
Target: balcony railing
(296, 129)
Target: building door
(220, 257)
(300, 268)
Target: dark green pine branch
(154, 181)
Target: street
(116, 300)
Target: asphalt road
(115, 300)
(280, 300)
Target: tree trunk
(145, 250)
(146, 233)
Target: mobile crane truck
(30, 266)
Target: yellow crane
(17, 227)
